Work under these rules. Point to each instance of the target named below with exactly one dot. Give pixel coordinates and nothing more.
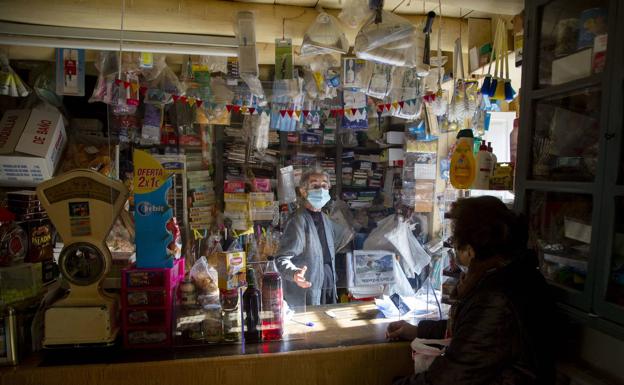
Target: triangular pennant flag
(118, 81)
(306, 113)
(126, 84)
(364, 110)
(401, 103)
(175, 97)
(354, 110)
(298, 113)
(340, 112)
(283, 113)
(190, 100)
(251, 110)
(214, 106)
(380, 108)
(198, 102)
(244, 109)
(387, 106)
(395, 105)
(236, 108)
(228, 107)
(333, 113)
(183, 99)
(135, 87)
(143, 90)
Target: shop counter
(346, 347)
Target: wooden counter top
(348, 349)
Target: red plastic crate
(147, 300)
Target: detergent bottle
(484, 168)
(463, 165)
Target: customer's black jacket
(502, 331)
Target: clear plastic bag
(413, 256)
(286, 185)
(107, 66)
(246, 34)
(324, 36)
(380, 81)
(341, 214)
(392, 29)
(205, 279)
(354, 12)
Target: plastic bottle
(484, 168)
(252, 300)
(463, 164)
(272, 303)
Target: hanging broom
(499, 89)
(510, 93)
(487, 81)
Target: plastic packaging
(10, 83)
(246, 35)
(392, 28)
(324, 36)
(380, 81)
(286, 185)
(205, 279)
(354, 12)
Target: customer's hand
(401, 330)
(299, 278)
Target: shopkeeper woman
(501, 326)
(307, 251)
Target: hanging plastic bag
(413, 256)
(380, 81)
(324, 36)
(286, 185)
(373, 35)
(260, 131)
(341, 214)
(401, 285)
(107, 66)
(408, 88)
(354, 12)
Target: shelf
(567, 187)
(566, 88)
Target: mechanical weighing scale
(83, 206)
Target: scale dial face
(82, 264)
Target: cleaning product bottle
(484, 168)
(493, 156)
(463, 165)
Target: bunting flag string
(351, 112)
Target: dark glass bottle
(252, 300)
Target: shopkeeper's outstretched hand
(401, 330)
(299, 278)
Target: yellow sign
(148, 173)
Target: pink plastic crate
(147, 300)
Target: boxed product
(232, 269)
(31, 144)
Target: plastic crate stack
(147, 301)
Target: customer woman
(501, 325)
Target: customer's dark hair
(488, 226)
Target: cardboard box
(232, 269)
(31, 144)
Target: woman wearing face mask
(501, 326)
(306, 255)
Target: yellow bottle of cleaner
(463, 167)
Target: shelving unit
(570, 172)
